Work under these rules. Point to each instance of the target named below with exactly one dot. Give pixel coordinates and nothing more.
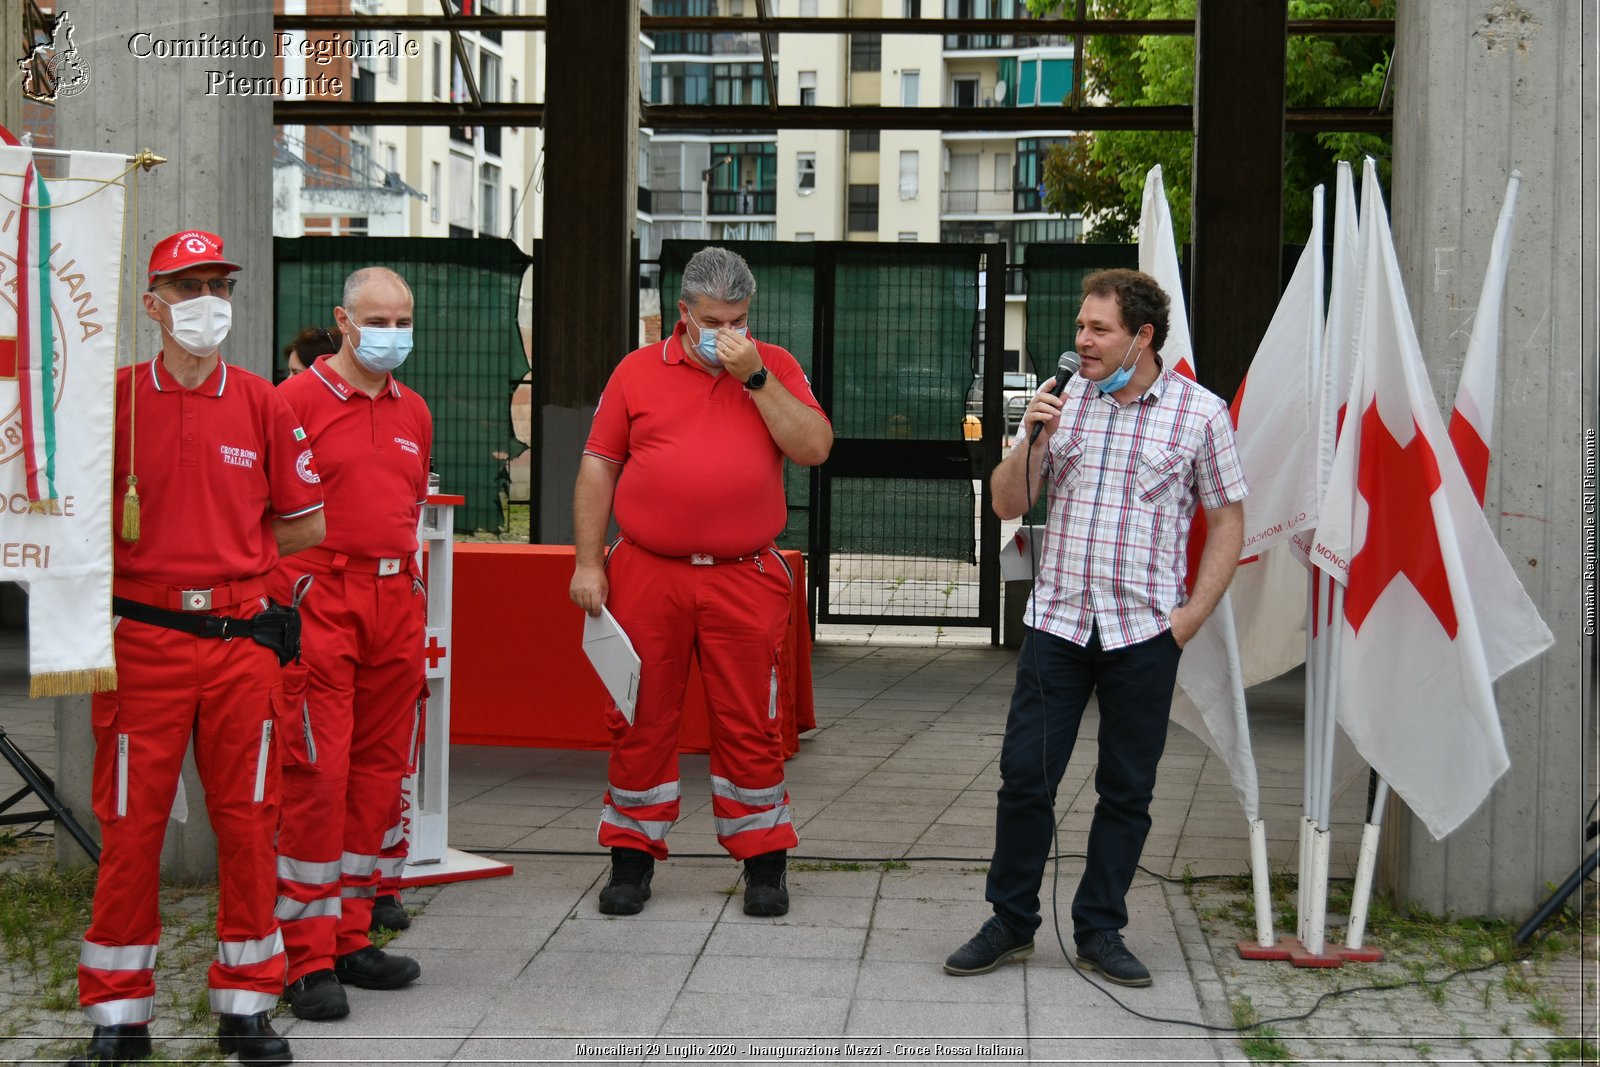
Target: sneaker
(629, 888)
(317, 995)
(373, 968)
(1104, 951)
(123, 1043)
(254, 1039)
(766, 889)
(992, 945)
(389, 914)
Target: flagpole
(142, 158)
(1308, 778)
(1362, 894)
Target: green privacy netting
(468, 354)
(901, 321)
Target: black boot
(766, 888)
(373, 968)
(116, 1044)
(253, 1038)
(389, 914)
(629, 887)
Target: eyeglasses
(193, 287)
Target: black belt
(224, 626)
(276, 626)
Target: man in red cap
(354, 704)
(224, 485)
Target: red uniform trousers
(347, 745)
(396, 845)
(734, 613)
(224, 694)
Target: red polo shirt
(216, 465)
(700, 471)
(372, 455)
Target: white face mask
(201, 325)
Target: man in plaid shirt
(1127, 452)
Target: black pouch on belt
(277, 626)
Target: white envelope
(614, 660)
(1019, 557)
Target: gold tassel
(130, 510)
(68, 683)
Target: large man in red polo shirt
(687, 451)
(219, 458)
(354, 706)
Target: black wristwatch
(756, 380)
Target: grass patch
(1572, 1050)
(848, 865)
(1261, 1043)
(43, 914)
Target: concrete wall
(218, 178)
(1484, 88)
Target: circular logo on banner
(13, 360)
(303, 467)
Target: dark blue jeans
(1135, 689)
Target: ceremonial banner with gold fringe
(60, 271)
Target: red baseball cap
(190, 248)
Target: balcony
(977, 202)
(706, 44)
(991, 42)
(670, 203)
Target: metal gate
(897, 523)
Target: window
(680, 83)
(863, 140)
(738, 83)
(489, 200)
(1028, 185)
(911, 9)
(964, 92)
(435, 190)
(1002, 172)
(908, 175)
(866, 51)
(808, 9)
(394, 61)
(808, 88)
(438, 71)
(909, 82)
(805, 236)
(806, 172)
(391, 161)
(907, 238)
(863, 209)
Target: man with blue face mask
(687, 451)
(352, 703)
(1128, 451)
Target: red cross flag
(1433, 611)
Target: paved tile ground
(894, 796)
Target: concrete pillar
(218, 178)
(585, 319)
(1483, 89)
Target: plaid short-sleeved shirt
(1124, 481)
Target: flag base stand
(457, 866)
(1291, 949)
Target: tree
(1101, 174)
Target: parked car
(1017, 389)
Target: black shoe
(253, 1038)
(1104, 951)
(992, 945)
(317, 995)
(373, 968)
(629, 888)
(766, 890)
(389, 914)
(116, 1044)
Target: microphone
(1065, 369)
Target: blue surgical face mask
(1122, 375)
(707, 345)
(383, 348)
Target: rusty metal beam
(793, 117)
(713, 24)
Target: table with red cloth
(520, 678)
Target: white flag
(1433, 612)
